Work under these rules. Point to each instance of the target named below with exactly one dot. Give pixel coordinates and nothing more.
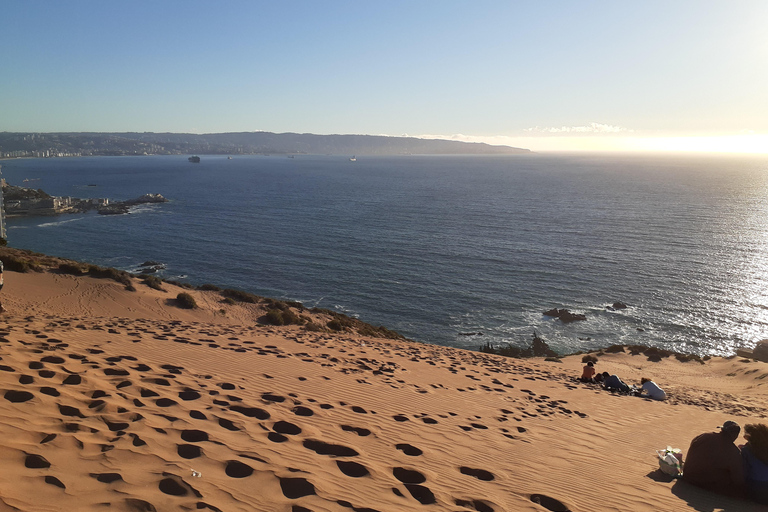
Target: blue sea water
(436, 247)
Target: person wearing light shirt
(652, 389)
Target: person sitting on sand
(614, 383)
(755, 455)
(714, 462)
(652, 389)
(588, 375)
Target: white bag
(669, 463)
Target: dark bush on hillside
(587, 358)
(230, 301)
(615, 349)
(312, 327)
(186, 286)
(684, 358)
(71, 268)
(153, 282)
(240, 296)
(335, 325)
(186, 301)
(487, 348)
(282, 317)
(15, 264)
(111, 273)
(209, 288)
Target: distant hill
(86, 144)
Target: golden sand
(120, 401)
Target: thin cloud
(590, 128)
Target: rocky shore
(22, 201)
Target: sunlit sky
(689, 75)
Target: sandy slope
(118, 400)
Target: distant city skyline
(548, 76)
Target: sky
(613, 75)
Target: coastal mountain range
(15, 144)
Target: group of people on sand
(715, 462)
(647, 387)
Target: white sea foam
(59, 223)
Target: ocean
(452, 250)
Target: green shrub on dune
(186, 301)
(15, 264)
(120, 276)
(241, 296)
(153, 282)
(277, 316)
(71, 268)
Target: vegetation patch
(74, 269)
(186, 286)
(277, 316)
(186, 301)
(241, 296)
(120, 276)
(15, 264)
(153, 282)
(538, 348)
(209, 288)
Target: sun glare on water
(724, 144)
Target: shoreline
(31, 261)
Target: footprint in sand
(362, 432)
(237, 469)
(35, 461)
(409, 449)
(478, 505)
(480, 474)
(188, 395)
(175, 486)
(284, 427)
(107, 478)
(352, 469)
(54, 481)
(322, 448)
(294, 488)
(18, 396)
(549, 503)
(189, 451)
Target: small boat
(194, 159)
(353, 159)
(229, 158)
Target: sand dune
(118, 400)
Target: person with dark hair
(588, 375)
(755, 455)
(614, 383)
(714, 462)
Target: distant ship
(353, 159)
(194, 159)
(228, 158)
